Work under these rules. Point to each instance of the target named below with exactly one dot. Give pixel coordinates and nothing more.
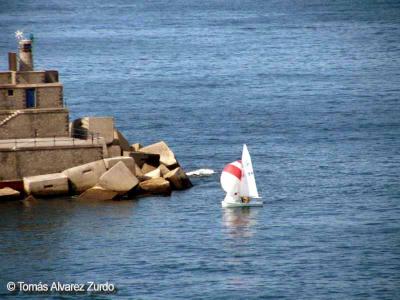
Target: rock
(97, 193)
(146, 168)
(156, 186)
(121, 141)
(114, 151)
(85, 176)
(163, 169)
(128, 161)
(46, 185)
(101, 126)
(178, 179)
(167, 157)
(119, 179)
(153, 174)
(142, 158)
(7, 194)
(136, 147)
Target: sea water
(312, 87)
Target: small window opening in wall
(10, 92)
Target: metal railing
(78, 138)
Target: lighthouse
(25, 55)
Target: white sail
(248, 187)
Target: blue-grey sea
(313, 89)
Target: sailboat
(239, 183)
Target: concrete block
(114, 150)
(153, 174)
(104, 126)
(121, 141)
(46, 185)
(163, 169)
(146, 168)
(7, 194)
(128, 161)
(85, 176)
(138, 171)
(97, 193)
(156, 186)
(178, 179)
(142, 158)
(167, 157)
(119, 179)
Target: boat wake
(201, 173)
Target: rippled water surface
(311, 86)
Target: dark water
(312, 87)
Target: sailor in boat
(245, 199)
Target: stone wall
(18, 163)
(14, 101)
(49, 97)
(5, 77)
(46, 97)
(30, 77)
(35, 123)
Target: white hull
(241, 204)
(235, 201)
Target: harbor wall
(15, 164)
(35, 123)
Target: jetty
(43, 154)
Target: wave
(201, 172)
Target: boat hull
(241, 204)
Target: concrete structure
(163, 169)
(46, 185)
(119, 179)
(167, 157)
(34, 123)
(138, 171)
(25, 55)
(31, 160)
(128, 161)
(97, 193)
(156, 186)
(7, 194)
(146, 168)
(121, 141)
(104, 126)
(31, 104)
(36, 139)
(153, 174)
(26, 123)
(85, 176)
(178, 179)
(114, 150)
(142, 158)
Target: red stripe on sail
(235, 171)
